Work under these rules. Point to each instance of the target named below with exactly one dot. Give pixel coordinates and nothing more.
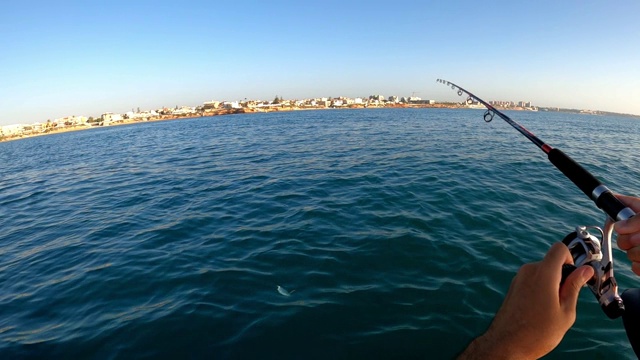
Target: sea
(328, 234)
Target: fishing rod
(592, 187)
(585, 247)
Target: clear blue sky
(90, 57)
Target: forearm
(487, 346)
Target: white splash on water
(284, 292)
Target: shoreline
(117, 123)
(222, 112)
(217, 112)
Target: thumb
(571, 288)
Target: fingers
(634, 255)
(628, 226)
(558, 255)
(571, 287)
(631, 201)
(629, 232)
(631, 244)
(627, 241)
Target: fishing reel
(589, 249)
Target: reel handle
(615, 308)
(567, 269)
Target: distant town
(213, 108)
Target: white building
(184, 110)
(12, 130)
(111, 117)
(324, 102)
(141, 114)
(231, 105)
(211, 104)
(71, 121)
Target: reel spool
(588, 249)
(584, 246)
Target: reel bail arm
(587, 249)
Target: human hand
(537, 311)
(629, 232)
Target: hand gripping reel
(587, 249)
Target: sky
(86, 58)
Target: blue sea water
(395, 232)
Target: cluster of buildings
(206, 109)
(37, 128)
(373, 100)
(210, 108)
(511, 104)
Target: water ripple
(395, 236)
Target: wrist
(488, 346)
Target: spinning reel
(595, 251)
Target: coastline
(117, 123)
(210, 113)
(243, 110)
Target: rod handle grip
(588, 183)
